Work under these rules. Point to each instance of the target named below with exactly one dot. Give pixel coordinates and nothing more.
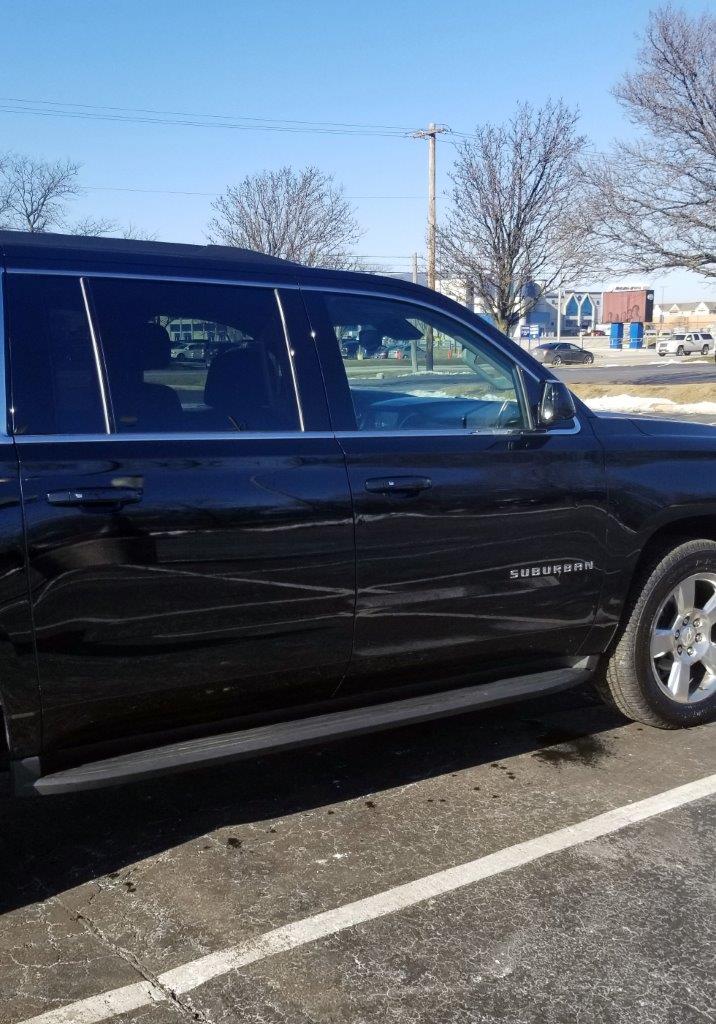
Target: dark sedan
(557, 352)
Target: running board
(215, 750)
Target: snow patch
(638, 403)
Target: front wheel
(680, 350)
(589, 360)
(557, 361)
(663, 669)
(705, 350)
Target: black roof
(84, 253)
(20, 242)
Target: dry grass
(684, 394)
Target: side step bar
(214, 750)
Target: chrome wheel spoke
(709, 661)
(709, 608)
(661, 643)
(685, 595)
(679, 680)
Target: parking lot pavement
(110, 889)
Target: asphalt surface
(656, 373)
(108, 889)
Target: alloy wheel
(682, 644)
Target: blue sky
(378, 63)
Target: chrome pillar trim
(99, 366)
(4, 366)
(291, 359)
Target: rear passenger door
(189, 524)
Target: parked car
(281, 550)
(686, 343)
(554, 353)
(189, 351)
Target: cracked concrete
(104, 889)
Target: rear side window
(55, 386)
(185, 358)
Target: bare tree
(652, 202)
(92, 226)
(34, 192)
(297, 215)
(97, 226)
(511, 219)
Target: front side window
(384, 344)
(186, 358)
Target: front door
(480, 541)
(189, 527)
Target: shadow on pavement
(48, 845)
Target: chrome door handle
(398, 484)
(95, 497)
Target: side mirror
(556, 404)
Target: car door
(480, 540)
(189, 527)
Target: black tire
(662, 354)
(557, 361)
(680, 350)
(589, 360)
(704, 350)
(628, 677)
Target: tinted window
(384, 344)
(186, 358)
(55, 387)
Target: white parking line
(197, 972)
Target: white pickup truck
(685, 344)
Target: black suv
(202, 562)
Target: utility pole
(415, 268)
(559, 313)
(430, 133)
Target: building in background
(693, 316)
(626, 305)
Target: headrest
(236, 375)
(153, 346)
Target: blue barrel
(616, 333)
(636, 334)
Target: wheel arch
(664, 538)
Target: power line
(85, 115)
(236, 122)
(224, 117)
(208, 195)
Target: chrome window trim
(291, 360)
(4, 425)
(98, 358)
(519, 432)
(179, 278)
(238, 435)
